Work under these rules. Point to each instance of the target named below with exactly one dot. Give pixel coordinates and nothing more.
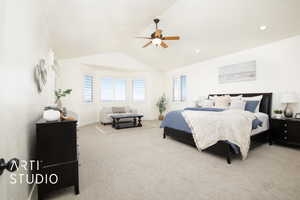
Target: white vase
(51, 115)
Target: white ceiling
(88, 27)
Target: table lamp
(288, 98)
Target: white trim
(31, 192)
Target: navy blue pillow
(251, 106)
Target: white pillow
(237, 105)
(222, 101)
(212, 97)
(239, 97)
(209, 103)
(255, 98)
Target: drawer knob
(285, 125)
(285, 138)
(285, 131)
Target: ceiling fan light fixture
(263, 27)
(156, 41)
(157, 38)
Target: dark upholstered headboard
(266, 102)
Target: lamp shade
(289, 98)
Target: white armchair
(106, 113)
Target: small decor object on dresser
(51, 115)
(278, 114)
(56, 150)
(59, 94)
(297, 115)
(288, 98)
(285, 131)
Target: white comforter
(210, 127)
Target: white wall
(278, 70)
(23, 41)
(71, 74)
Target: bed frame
(222, 148)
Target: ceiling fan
(157, 38)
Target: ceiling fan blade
(158, 33)
(171, 38)
(164, 45)
(147, 44)
(144, 37)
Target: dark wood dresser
(286, 131)
(57, 154)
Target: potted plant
(278, 113)
(59, 94)
(162, 106)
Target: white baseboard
(31, 192)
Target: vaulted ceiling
(212, 27)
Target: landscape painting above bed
(238, 72)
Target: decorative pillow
(237, 104)
(212, 97)
(222, 101)
(255, 98)
(239, 97)
(208, 103)
(118, 109)
(251, 106)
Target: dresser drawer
(56, 143)
(286, 131)
(293, 132)
(279, 129)
(67, 175)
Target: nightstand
(285, 131)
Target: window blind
(179, 88)
(138, 90)
(88, 89)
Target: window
(138, 90)
(88, 89)
(113, 89)
(179, 88)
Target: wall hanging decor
(41, 69)
(51, 61)
(238, 72)
(40, 75)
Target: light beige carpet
(136, 164)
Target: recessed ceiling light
(197, 51)
(263, 27)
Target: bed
(179, 130)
